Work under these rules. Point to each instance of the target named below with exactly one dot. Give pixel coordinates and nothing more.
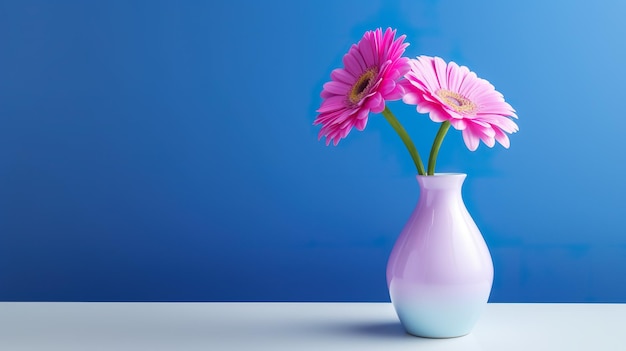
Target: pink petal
(363, 64)
(458, 124)
(368, 52)
(326, 94)
(342, 75)
(360, 124)
(468, 85)
(489, 141)
(337, 87)
(455, 76)
(332, 104)
(411, 98)
(481, 127)
(352, 65)
(500, 108)
(396, 94)
(430, 80)
(471, 140)
(502, 138)
(386, 86)
(440, 70)
(501, 122)
(348, 122)
(340, 118)
(438, 115)
(386, 42)
(376, 103)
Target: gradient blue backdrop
(164, 150)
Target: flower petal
(342, 75)
(502, 138)
(438, 115)
(470, 139)
(376, 103)
(458, 124)
(337, 87)
(332, 103)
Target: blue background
(164, 150)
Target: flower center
(457, 102)
(362, 85)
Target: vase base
(421, 335)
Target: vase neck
(442, 182)
(441, 192)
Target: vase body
(440, 271)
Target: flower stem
(434, 151)
(406, 139)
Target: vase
(440, 271)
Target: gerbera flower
(372, 68)
(455, 94)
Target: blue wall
(164, 150)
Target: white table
(297, 326)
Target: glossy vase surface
(440, 271)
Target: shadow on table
(393, 333)
(378, 330)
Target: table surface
(297, 326)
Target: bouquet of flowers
(375, 72)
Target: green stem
(406, 139)
(434, 151)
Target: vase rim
(452, 174)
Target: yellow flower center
(362, 85)
(457, 102)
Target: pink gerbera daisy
(455, 94)
(372, 68)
